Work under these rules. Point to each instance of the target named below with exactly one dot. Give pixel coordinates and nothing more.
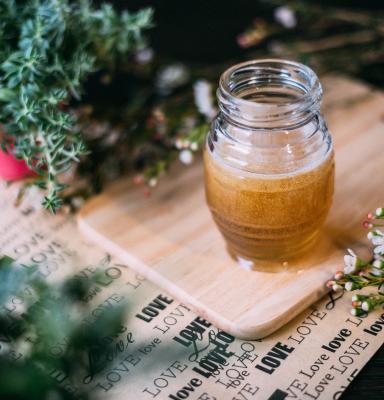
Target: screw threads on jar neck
(274, 94)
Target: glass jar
(269, 165)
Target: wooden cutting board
(171, 239)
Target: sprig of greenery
(359, 274)
(49, 316)
(48, 48)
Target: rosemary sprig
(48, 48)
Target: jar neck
(269, 94)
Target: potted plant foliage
(47, 49)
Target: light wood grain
(171, 239)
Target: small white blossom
(376, 237)
(349, 286)
(179, 144)
(350, 262)
(186, 157)
(194, 146)
(379, 212)
(77, 202)
(378, 264)
(354, 312)
(355, 297)
(152, 182)
(379, 250)
(203, 98)
(285, 16)
(376, 271)
(112, 137)
(337, 288)
(171, 77)
(144, 56)
(365, 306)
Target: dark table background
(203, 33)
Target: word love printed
(153, 308)
(335, 343)
(216, 357)
(271, 361)
(376, 327)
(186, 389)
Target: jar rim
(304, 79)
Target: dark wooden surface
(369, 384)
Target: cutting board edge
(241, 330)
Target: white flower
(365, 306)
(336, 287)
(355, 297)
(112, 137)
(354, 312)
(376, 237)
(77, 202)
(179, 144)
(378, 264)
(379, 250)
(186, 157)
(194, 146)
(349, 286)
(379, 212)
(350, 262)
(376, 271)
(285, 16)
(171, 77)
(203, 98)
(152, 182)
(144, 56)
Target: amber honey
(268, 218)
(269, 165)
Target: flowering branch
(359, 273)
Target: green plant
(46, 345)
(359, 273)
(47, 49)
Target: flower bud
(329, 284)
(194, 146)
(178, 144)
(357, 312)
(337, 288)
(186, 157)
(152, 182)
(339, 275)
(358, 297)
(367, 225)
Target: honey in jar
(269, 166)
